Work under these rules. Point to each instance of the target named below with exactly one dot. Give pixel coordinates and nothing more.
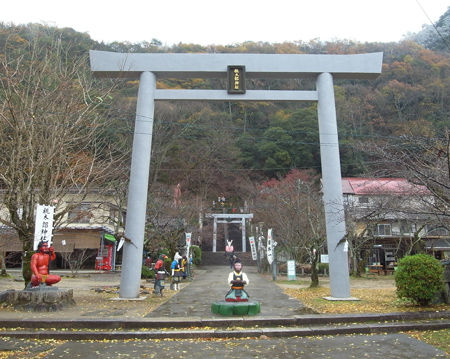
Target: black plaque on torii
(236, 79)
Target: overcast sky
(217, 22)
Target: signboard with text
(291, 270)
(236, 79)
(43, 227)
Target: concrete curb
(157, 323)
(228, 334)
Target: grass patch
(371, 301)
(437, 338)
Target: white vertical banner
(188, 243)
(43, 227)
(253, 247)
(269, 246)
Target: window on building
(436, 231)
(406, 228)
(117, 217)
(81, 213)
(363, 200)
(383, 230)
(113, 215)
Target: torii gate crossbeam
(149, 67)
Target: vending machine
(105, 256)
(103, 261)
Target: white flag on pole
(188, 243)
(269, 246)
(253, 247)
(43, 227)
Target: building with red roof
(392, 217)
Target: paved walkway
(210, 285)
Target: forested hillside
(216, 148)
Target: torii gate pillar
(332, 186)
(137, 190)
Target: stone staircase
(315, 325)
(219, 258)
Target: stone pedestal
(38, 299)
(236, 308)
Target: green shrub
(167, 264)
(164, 251)
(147, 273)
(418, 278)
(196, 254)
(323, 268)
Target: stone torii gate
(229, 218)
(150, 67)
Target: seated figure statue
(40, 262)
(237, 280)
